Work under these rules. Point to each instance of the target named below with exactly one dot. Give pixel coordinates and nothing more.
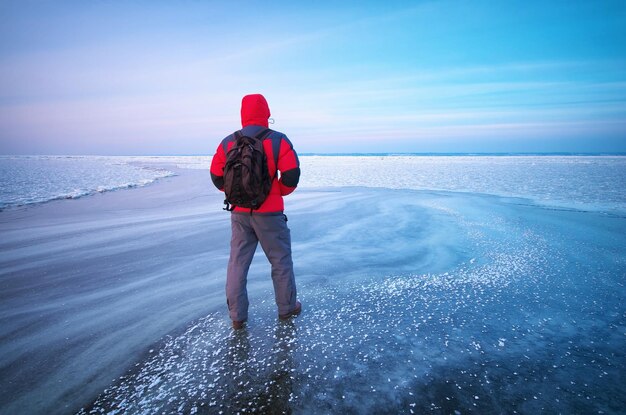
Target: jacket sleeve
(217, 167)
(289, 167)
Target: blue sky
(156, 77)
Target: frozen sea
(443, 284)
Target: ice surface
(573, 181)
(587, 182)
(533, 322)
(584, 182)
(413, 301)
(28, 180)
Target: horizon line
(333, 154)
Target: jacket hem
(254, 212)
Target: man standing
(267, 224)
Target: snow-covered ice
(26, 180)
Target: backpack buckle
(228, 207)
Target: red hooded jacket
(254, 118)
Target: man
(267, 224)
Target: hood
(254, 110)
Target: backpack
(247, 181)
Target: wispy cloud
(330, 74)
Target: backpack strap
(266, 133)
(276, 151)
(236, 135)
(263, 134)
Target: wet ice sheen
(526, 325)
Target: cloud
(328, 76)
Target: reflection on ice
(210, 368)
(518, 328)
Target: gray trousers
(275, 238)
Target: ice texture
(28, 180)
(529, 318)
(583, 182)
(569, 181)
(414, 301)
